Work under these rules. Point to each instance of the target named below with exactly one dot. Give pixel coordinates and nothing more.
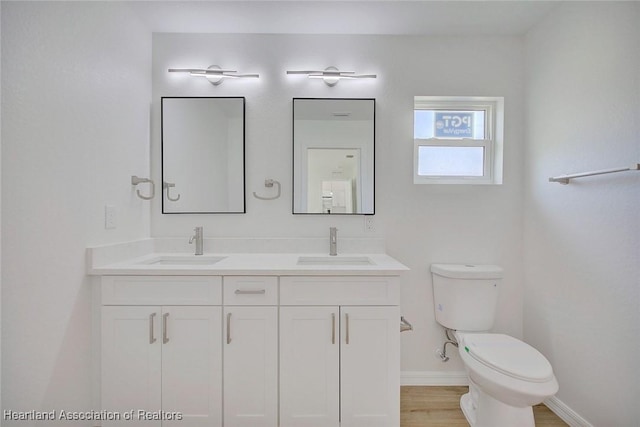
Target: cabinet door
(250, 366)
(309, 367)
(192, 365)
(370, 367)
(131, 362)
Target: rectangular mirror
(203, 155)
(333, 156)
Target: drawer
(250, 290)
(161, 290)
(347, 290)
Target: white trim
(565, 413)
(434, 378)
(493, 143)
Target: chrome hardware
(268, 183)
(404, 325)
(564, 179)
(152, 337)
(443, 353)
(167, 186)
(135, 181)
(333, 241)
(250, 292)
(346, 318)
(198, 239)
(228, 328)
(165, 334)
(333, 328)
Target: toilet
(506, 376)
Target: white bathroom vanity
(247, 339)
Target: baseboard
(433, 378)
(565, 413)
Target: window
(458, 140)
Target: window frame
(493, 108)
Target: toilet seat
(506, 375)
(509, 356)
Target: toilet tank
(465, 296)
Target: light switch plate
(109, 217)
(369, 224)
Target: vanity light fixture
(331, 75)
(214, 73)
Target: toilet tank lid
(467, 271)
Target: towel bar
(564, 179)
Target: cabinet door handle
(228, 328)
(346, 319)
(165, 333)
(250, 292)
(333, 328)
(152, 337)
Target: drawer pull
(346, 318)
(250, 292)
(228, 328)
(152, 337)
(333, 328)
(165, 333)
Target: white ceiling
(398, 17)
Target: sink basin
(184, 260)
(334, 260)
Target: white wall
(422, 224)
(75, 109)
(75, 97)
(582, 241)
(0, 207)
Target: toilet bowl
(506, 376)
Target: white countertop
(242, 257)
(235, 264)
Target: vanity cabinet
(339, 352)
(252, 351)
(370, 367)
(160, 360)
(309, 366)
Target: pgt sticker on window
(450, 124)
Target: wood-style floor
(440, 407)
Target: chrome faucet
(199, 240)
(333, 241)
